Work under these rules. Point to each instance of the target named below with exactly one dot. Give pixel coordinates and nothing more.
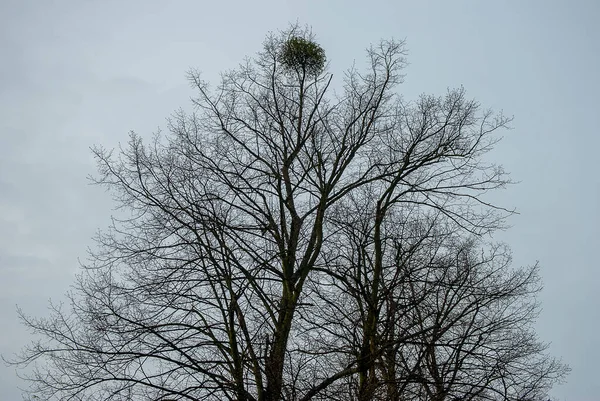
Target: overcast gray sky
(82, 72)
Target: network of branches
(286, 243)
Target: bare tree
(262, 249)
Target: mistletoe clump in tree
(302, 55)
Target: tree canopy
(284, 242)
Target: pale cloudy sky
(82, 72)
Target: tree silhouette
(284, 242)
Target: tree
(283, 242)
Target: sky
(77, 73)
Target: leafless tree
(285, 242)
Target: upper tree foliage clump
(302, 54)
(286, 243)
